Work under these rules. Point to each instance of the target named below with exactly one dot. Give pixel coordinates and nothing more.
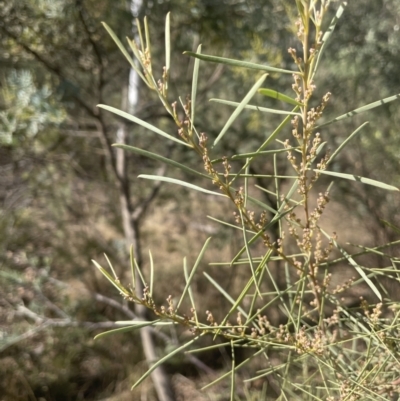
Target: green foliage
(304, 339)
(27, 109)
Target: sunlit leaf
(279, 96)
(345, 142)
(164, 359)
(257, 108)
(238, 63)
(225, 294)
(123, 50)
(255, 154)
(179, 182)
(271, 138)
(255, 354)
(362, 109)
(189, 290)
(147, 35)
(131, 327)
(240, 108)
(356, 266)
(112, 280)
(151, 273)
(160, 158)
(328, 33)
(196, 265)
(353, 177)
(136, 120)
(194, 86)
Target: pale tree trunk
(131, 218)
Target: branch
(95, 47)
(44, 323)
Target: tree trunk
(131, 224)
(131, 227)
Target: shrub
(320, 347)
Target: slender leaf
(147, 35)
(160, 158)
(243, 249)
(148, 77)
(255, 154)
(179, 182)
(279, 96)
(111, 267)
(132, 265)
(238, 300)
(136, 120)
(138, 54)
(215, 346)
(353, 177)
(344, 143)
(188, 280)
(255, 354)
(164, 359)
(246, 185)
(113, 281)
(320, 147)
(196, 265)
(261, 268)
(392, 226)
(276, 131)
(229, 224)
(240, 108)
(233, 381)
(261, 204)
(158, 322)
(249, 257)
(123, 50)
(139, 28)
(194, 86)
(266, 143)
(328, 34)
(226, 295)
(151, 273)
(238, 63)
(140, 273)
(278, 206)
(242, 175)
(362, 109)
(132, 326)
(356, 266)
(257, 108)
(167, 43)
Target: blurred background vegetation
(61, 203)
